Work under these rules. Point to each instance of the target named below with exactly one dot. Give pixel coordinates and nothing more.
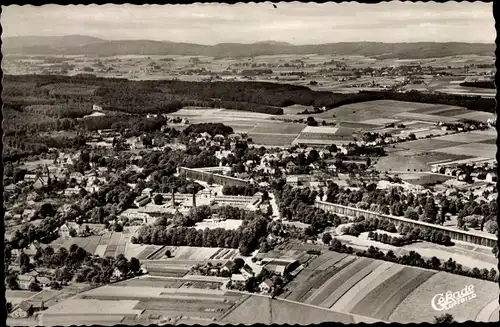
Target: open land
(383, 290)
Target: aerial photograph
(273, 163)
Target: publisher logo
(441, 302)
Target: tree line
(415, 259)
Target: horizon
(250, 43)
(294, 23)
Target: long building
(205, 176)
(454, 234)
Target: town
(240, 188)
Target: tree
(210, 180)
(158, 199)
(134, 265)
(311, 121)
(24, 262)
(327, 238)
(444, 319)
(11, 281)
(168, 254)
(35, 287)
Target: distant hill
(86, 45)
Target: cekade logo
(447, 301)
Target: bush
(491, 226)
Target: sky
(296, 23)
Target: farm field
(135, 302)
(272, 139)
(109, 244)
(281, 128)
(385, 291)
(382, 112)
(193, 253)
(260, 309)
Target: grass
(474, 149)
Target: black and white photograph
(272, 163)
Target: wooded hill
(86, 45)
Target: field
(133, 301)
(109, 244)
(383, 290)
(201, 253)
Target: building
(77, 176)
(24, 281)
(71, 191)
(117, 273)
(491, 177)
(66, 230)
(228, 266)
(266, 286)
(22, 310)
(142, 200)
(247, 271)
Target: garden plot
(417, 306)
(150, 249)
(375, 304)
(472, 149)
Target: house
(290, 166)
(10, 189)
(147, 191)
(43, 281)
(24, 281)
(266, 285)
(238, 278)
(117, 273)
(65, 230)
(23, 310)
(30, 177)
(247, 271)
(228, 266)
(491, 177)
(71, 191)
(77, 176)
(142, 200)
(40, 182)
